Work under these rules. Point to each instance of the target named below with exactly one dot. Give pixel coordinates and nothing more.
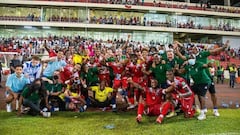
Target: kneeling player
(152, 102)
(180, 94)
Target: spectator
(54, 63)
(32, 69)
(232, 74)
(220, 74)
(1, 74)
(238, 70)
(54, 89)
(14, 62)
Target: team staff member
(158, 69)
(202, 57)
(197, 72)
(232, 74)
(212, 92)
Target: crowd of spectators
(167, 4)
(145, 22)
(29, 17)
(122, 20)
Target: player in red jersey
(152, 101)
(134, 70)
(104, 72)
(93, 62)
(120, 80)
(179, 93)
(51, 52)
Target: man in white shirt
(32, 69)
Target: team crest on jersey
(183, 83)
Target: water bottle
(237, 104)
(226, 105)
(230, 103)
(223, 104)
(56, 109)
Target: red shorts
(187, 106)
(105, 77)
(131, 100)
(154, 110)
(116, 84)
(120, 83)
(137, 79)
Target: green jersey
(54, 87)
(198, 73)
(171, 64)
(34, 96)
(91, 76)
(202, 57)
(164, 56)
(159, 73)
(219, 72)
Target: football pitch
(120, 123)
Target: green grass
(92, 123)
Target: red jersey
(153, 97)
(66, 73)
(135, 70)
(52, 53)
(117, 69)
(180, 85)
(104, 74)
(186, 102)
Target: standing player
(135, 71)
(120, 80)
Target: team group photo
(113, 67)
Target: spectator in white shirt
(32, 69)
